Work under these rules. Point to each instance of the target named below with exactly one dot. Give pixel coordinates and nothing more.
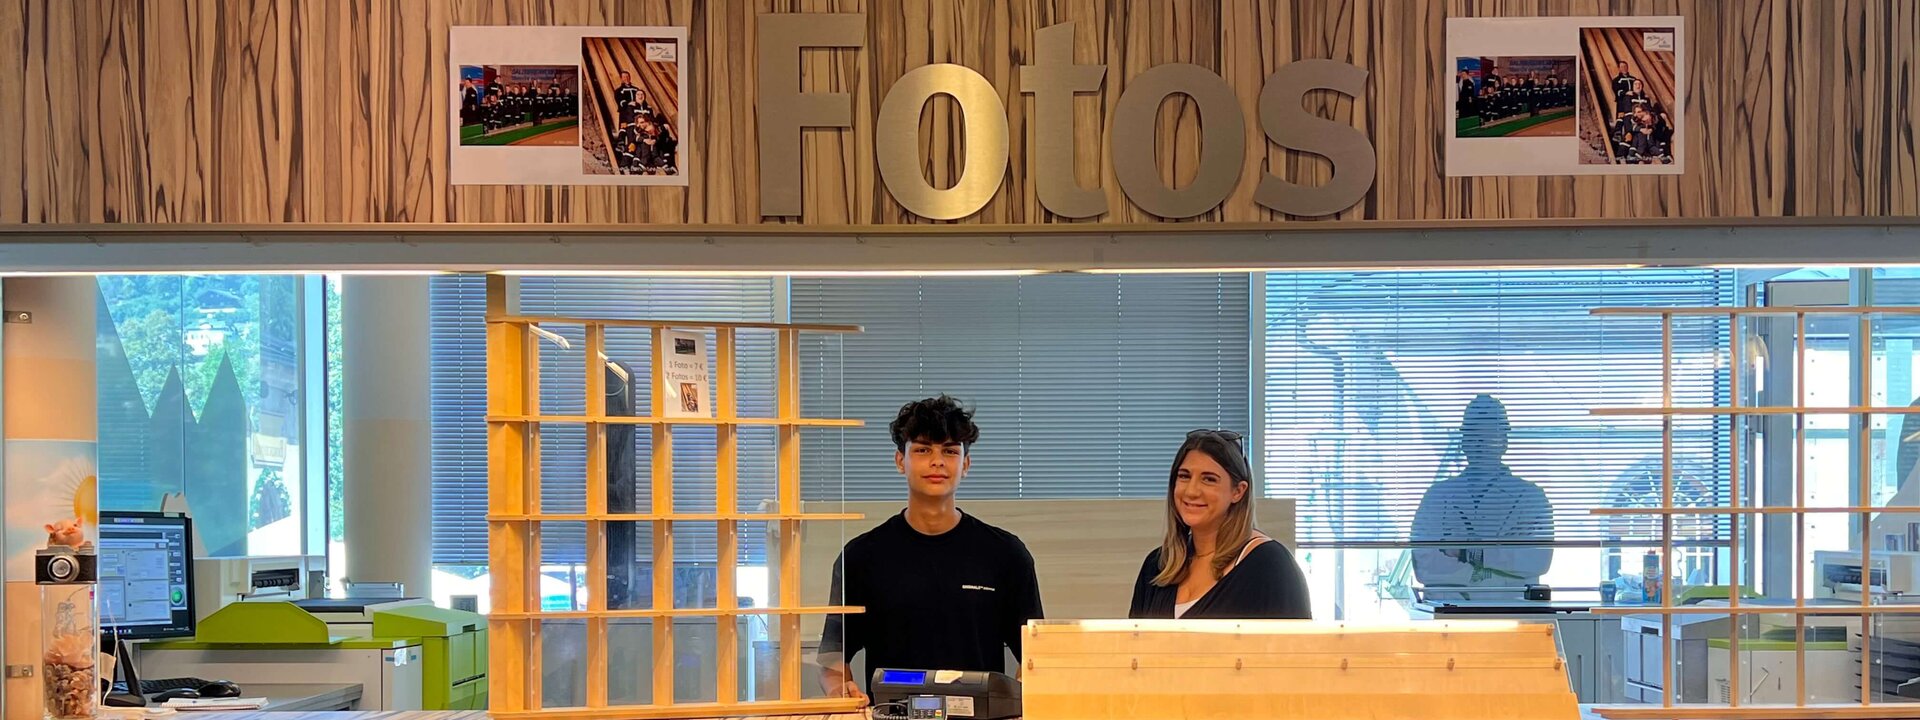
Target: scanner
(900, 694)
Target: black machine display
(146, 593)
(146, 575)
(942, 694)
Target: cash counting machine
(942, 694)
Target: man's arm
(840, 640)
(1024, 603)
(1437, 566)
(1532, 520)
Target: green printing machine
(406, 654)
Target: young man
(942, 590)
(658, 153)
(469, 103)
(627, 97)
(1624, 83)
(1463, 101)
(626, 149)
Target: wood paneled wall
(292, 111)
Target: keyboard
(150, 687)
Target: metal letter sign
(1223, 140)
(784, 109)
(898, 142)
(1053, 79)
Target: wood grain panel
(303, 111)
(13, 132)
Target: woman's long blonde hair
(1235, 530)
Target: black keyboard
(150, 687)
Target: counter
(310, 698)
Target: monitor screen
(146, 575)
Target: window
(1083, 385)
(335, 376)
(1369, 375)
(200, 393)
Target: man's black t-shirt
(933, 602)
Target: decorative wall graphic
(50, 484)
(567, 105)
(1567, 96)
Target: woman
(1213, 563)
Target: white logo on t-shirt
(982, 588)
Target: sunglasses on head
(1227, 435)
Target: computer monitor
(146, 575)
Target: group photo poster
(568, 105)
(1566, 96)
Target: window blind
(1367, 375)
(459, 377)
(457, 349)
(1083, 385)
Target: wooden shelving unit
(1739, 509)
(514, 519)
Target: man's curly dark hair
(937, 421)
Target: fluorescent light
(1353, 268)
(198, 273)
(769, 273)
(1810, 265)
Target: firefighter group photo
(1632, 119)
(1548, 96)
(519, 105)
(568, 105)
(1514, 97)
(632, 105)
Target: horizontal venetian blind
(695, 451)
(1367, 375)
(457, 349)
(459, 388)
(1083, 385)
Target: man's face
(1623, 68)
(623, 77)
(933, 469)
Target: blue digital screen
(903, 677)
(929, 702)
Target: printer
(1839, 575)
(941, 694)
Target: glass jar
(70, 629)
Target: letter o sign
(897, 144)
(1223, 140)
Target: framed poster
(1566, 96)
(686, 375)
(568, 105)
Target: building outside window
(201, 395)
